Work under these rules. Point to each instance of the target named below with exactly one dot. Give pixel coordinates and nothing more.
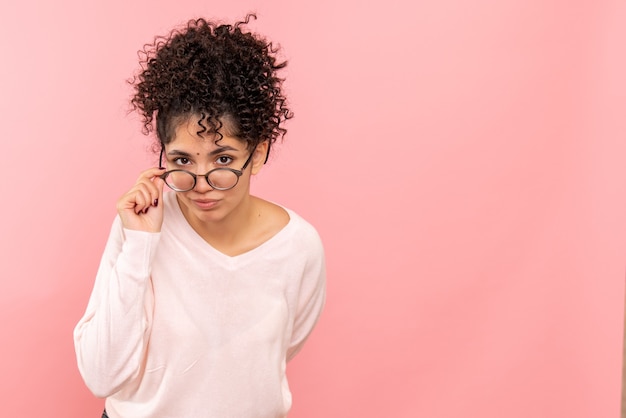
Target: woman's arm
(312, 296)
(111, 338)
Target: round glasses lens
(223, 178)
(180, 180)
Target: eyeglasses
(222, 178)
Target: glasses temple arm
(161, 156)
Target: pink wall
(463, 161)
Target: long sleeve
(311, 297)
(111, 338)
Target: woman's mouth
(205, 204)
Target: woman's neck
(229, 235)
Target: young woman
(204, 292)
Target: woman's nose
(202, 184)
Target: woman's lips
(205, 203)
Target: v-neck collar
(181, 222)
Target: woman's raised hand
(141, 208)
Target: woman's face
(199, 155)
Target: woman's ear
(260, 156)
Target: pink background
(463, 162)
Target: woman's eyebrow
(222, 149)
(179, 153)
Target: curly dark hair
(225, 76)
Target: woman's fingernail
(145, 210)
(156, 202)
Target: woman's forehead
(188, 136)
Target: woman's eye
(224, 160)
(181, 161)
